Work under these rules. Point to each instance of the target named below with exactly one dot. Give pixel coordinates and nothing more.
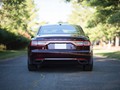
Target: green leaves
(104, 23)
(16, 17)
(12, 40)
(114, 18)
(17, 14)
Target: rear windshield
(60, 29)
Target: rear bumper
(60, 53)
(38, 56)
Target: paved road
(15, 76)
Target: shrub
(12, 40)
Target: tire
(31, 67)
(88, 67)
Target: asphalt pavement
(14, 75)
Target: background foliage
(100, 18)
(17, 17)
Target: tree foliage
(80, 14)
(107, 14)
(13, 41)
(17, 17)
(16, 14)
(105, 22)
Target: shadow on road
(101, 65)
(60, 68)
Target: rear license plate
(60, 46)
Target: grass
(115, 54)
(107, 53)
(6, 54)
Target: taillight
(37, 43)
(87, 43)
(34, 43)
(82, 43)
(41, 43)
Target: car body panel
(58, 47)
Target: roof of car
(59, 24)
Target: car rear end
(59, 48)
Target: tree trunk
(109, 44)
(117, 41)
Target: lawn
(109, 53)
(6, 54)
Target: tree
(106, 17)
(80, 14)
(17, 17)
(17, 14)
(107, 13)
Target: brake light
(82, 43)
(33, 43)
(36, 43)
(41, 42)
(87, 43)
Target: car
(59, 43)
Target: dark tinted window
(60, 29)
(79, 30)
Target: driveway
(15, 76)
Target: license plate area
(60, 46)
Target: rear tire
(32, 67)
(88, 67)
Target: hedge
(13, 41)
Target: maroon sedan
(60, 43)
